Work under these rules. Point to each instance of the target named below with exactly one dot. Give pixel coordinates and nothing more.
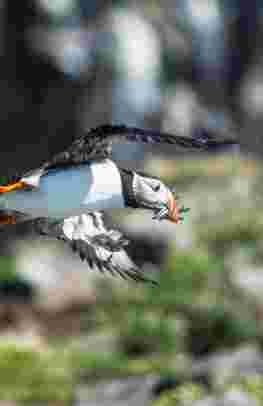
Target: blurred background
(71, 337)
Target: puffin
(65, 198)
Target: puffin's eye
(156, 188)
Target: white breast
(70, 192)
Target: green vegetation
(28, 376)
(251, 385)
(184, 395)
(187, 276)
(7, 268)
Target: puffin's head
(143, 191)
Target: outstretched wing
(101, 248)
(96, 143)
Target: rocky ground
(70, 337)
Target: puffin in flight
(65, 197)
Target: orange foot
(12, 186)
(5, 219)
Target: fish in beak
(175, 214)
(171, 211)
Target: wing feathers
(135, 134)
(101, 248)
(96, 143)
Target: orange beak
(12, 186)
(173, 211)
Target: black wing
(101, 248)
(96, 143)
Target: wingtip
(139, 277)
(210, 141)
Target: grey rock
(226, 365)
(233, 397)
(208, 401)
(236, 397)
(118, 392)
